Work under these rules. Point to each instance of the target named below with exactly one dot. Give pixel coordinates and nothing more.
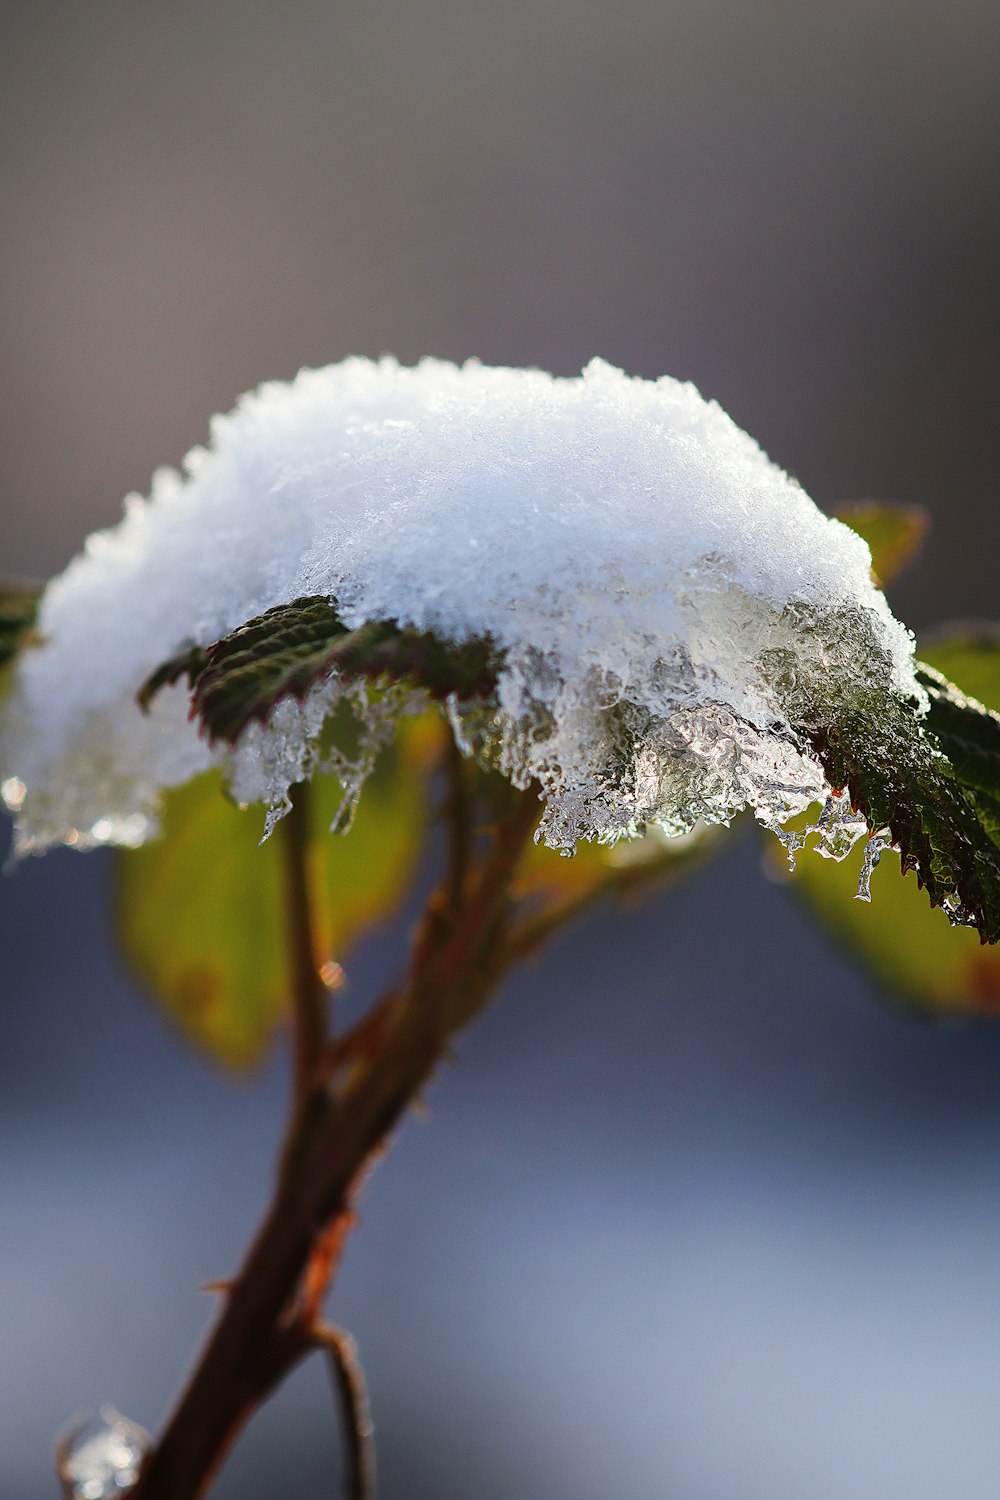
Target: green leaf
(899, 780)
(201, 909)
(894, 533)
(189, 661)
(911, 948)
(969, 734)
(878, 749)
(285, 651)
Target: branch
(359, 1430)
(457, 812)
(310, 1001)
(262, 1332)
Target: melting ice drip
(838, 828)
(101, 1461)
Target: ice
(102, 1460)
(673, 611)
(874, 849)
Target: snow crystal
(673, 610)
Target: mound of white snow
(672, 607)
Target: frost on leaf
(607, 586)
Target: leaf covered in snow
(899, 779)
(293, 647)
(617, 595)
(910, 947)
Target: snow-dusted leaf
(289, 649)
(657, 591)
(911, 948)
(936, 793)
(969, 734)
(188, 661)
(894, 533)
(898, 778)
(201, 909)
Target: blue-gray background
(694, 1217)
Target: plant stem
(310, 1001)
(349, 1383)
(458, 821)
(266, 1325)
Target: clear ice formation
(673, 609)
(101, 1462)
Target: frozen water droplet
(101, 1460)
(462, 740)
(958, 914)
(873, 853)
(13, 791)
(839, 827)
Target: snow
(674, 610)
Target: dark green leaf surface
(189, 661)
(283, 652)
(899, 780)
(913, 949)
(969, 734)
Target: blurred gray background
(696, 1217)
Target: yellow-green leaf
(894, 533)
(201, 909)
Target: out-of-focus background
(696, 1216)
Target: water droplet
(462, 740)
(839, 827)
(101, 1460)
(13, 791)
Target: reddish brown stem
(310, 1001)
(261, 1332)
(349, 1383)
